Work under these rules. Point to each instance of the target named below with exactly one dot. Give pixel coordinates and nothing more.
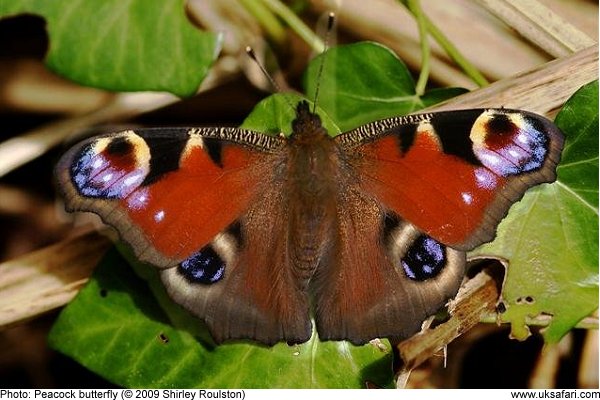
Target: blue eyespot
(512, 150)
(424, 259)
(95, 175)
(205, 266)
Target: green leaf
(364, 82)
(123, 45)
(550, 238)
(275, 114)
(439, 95)
(578, 169)
(116, 328)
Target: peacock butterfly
(365, 232)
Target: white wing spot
(522, 138)
(467, 197)
(159, 216)
(98, 162)
(132, 179)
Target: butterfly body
(365, 233)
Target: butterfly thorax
(313, 153)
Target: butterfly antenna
(252, 55)
(330, 21)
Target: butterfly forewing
(158, 186)
(455, 174)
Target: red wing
(167, 191)
(454, 174)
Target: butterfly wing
(427, 188)
(455, 174)
(152, 185)
(186, 201)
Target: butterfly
(364, 232)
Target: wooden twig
(545, 370)
(475, 298)
(588, 364)
(21, 149)
(540, 25)
(48, 278)
(542, 90)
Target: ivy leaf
(363, 82)
(550, 238)
(123, 45)
(275, 114)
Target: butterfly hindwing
(384, 277)
(263, 298)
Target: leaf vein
(577, 196)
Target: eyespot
(120, 147)
(205, 266)
(509, 143)
(424, 259)
(110, 167)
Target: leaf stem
(415, 8)
(295, 24)
(455, 54)
(266, 19)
